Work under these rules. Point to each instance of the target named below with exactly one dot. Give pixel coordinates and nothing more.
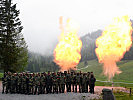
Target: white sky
(40, 18)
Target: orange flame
(67, 52)
(113, 44)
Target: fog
(40, 18)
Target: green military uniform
(72, 81)
(59, 79)
(31, 89)
(13, 80)
(20, 83)
(68, 82)
(62, 83)
(84, 80)
(37, 84)
(23, 84)
(87, 81)
(8, 85)
(42, 84)
(55, 83)
(78, 82)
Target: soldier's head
(49, 73)
(62, 74)
(91, 73)
(65, 71)
(71, 73)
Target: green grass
(125, 66)
(1, 75)
(122, 96)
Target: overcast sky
(40, 18)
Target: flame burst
(113, 44)
(67, 52)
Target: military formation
(50, 82)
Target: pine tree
(13, 48)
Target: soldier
(81, 78)
(16, 82)
(42, 83)
(48, 83)
(72, 81)
(92, 83)
(84, 79)
(23, 84)
(59, 79)
(13, 81)
(68, 82)
(75, 81)
(27, 83)
(87, 82)
(62, 82)
(55, 83)
(20, 83)
(31, 84)
(37, 84)
(78, 82)
(8, 85)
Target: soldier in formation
(51, 82)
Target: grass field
(1, 75)
(125, 66)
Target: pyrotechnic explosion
(67, 52)
(113, 44)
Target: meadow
(126, 76)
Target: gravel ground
(62, 96)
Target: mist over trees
(40, 63)
(13, 48)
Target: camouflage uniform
(23, 84)
(87, 81)
(19, 83)
(31, 89)
(13, 81)
(55, 83)
(68, 82)
(8, 85)
(37, 84)
(59, 80)
(62, 82)
(48, 83)
(84, 79)
(42, 84)
(72, 81)
(78, 82)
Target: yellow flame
(67, 52)
(113, 44)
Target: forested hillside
(40, 63)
